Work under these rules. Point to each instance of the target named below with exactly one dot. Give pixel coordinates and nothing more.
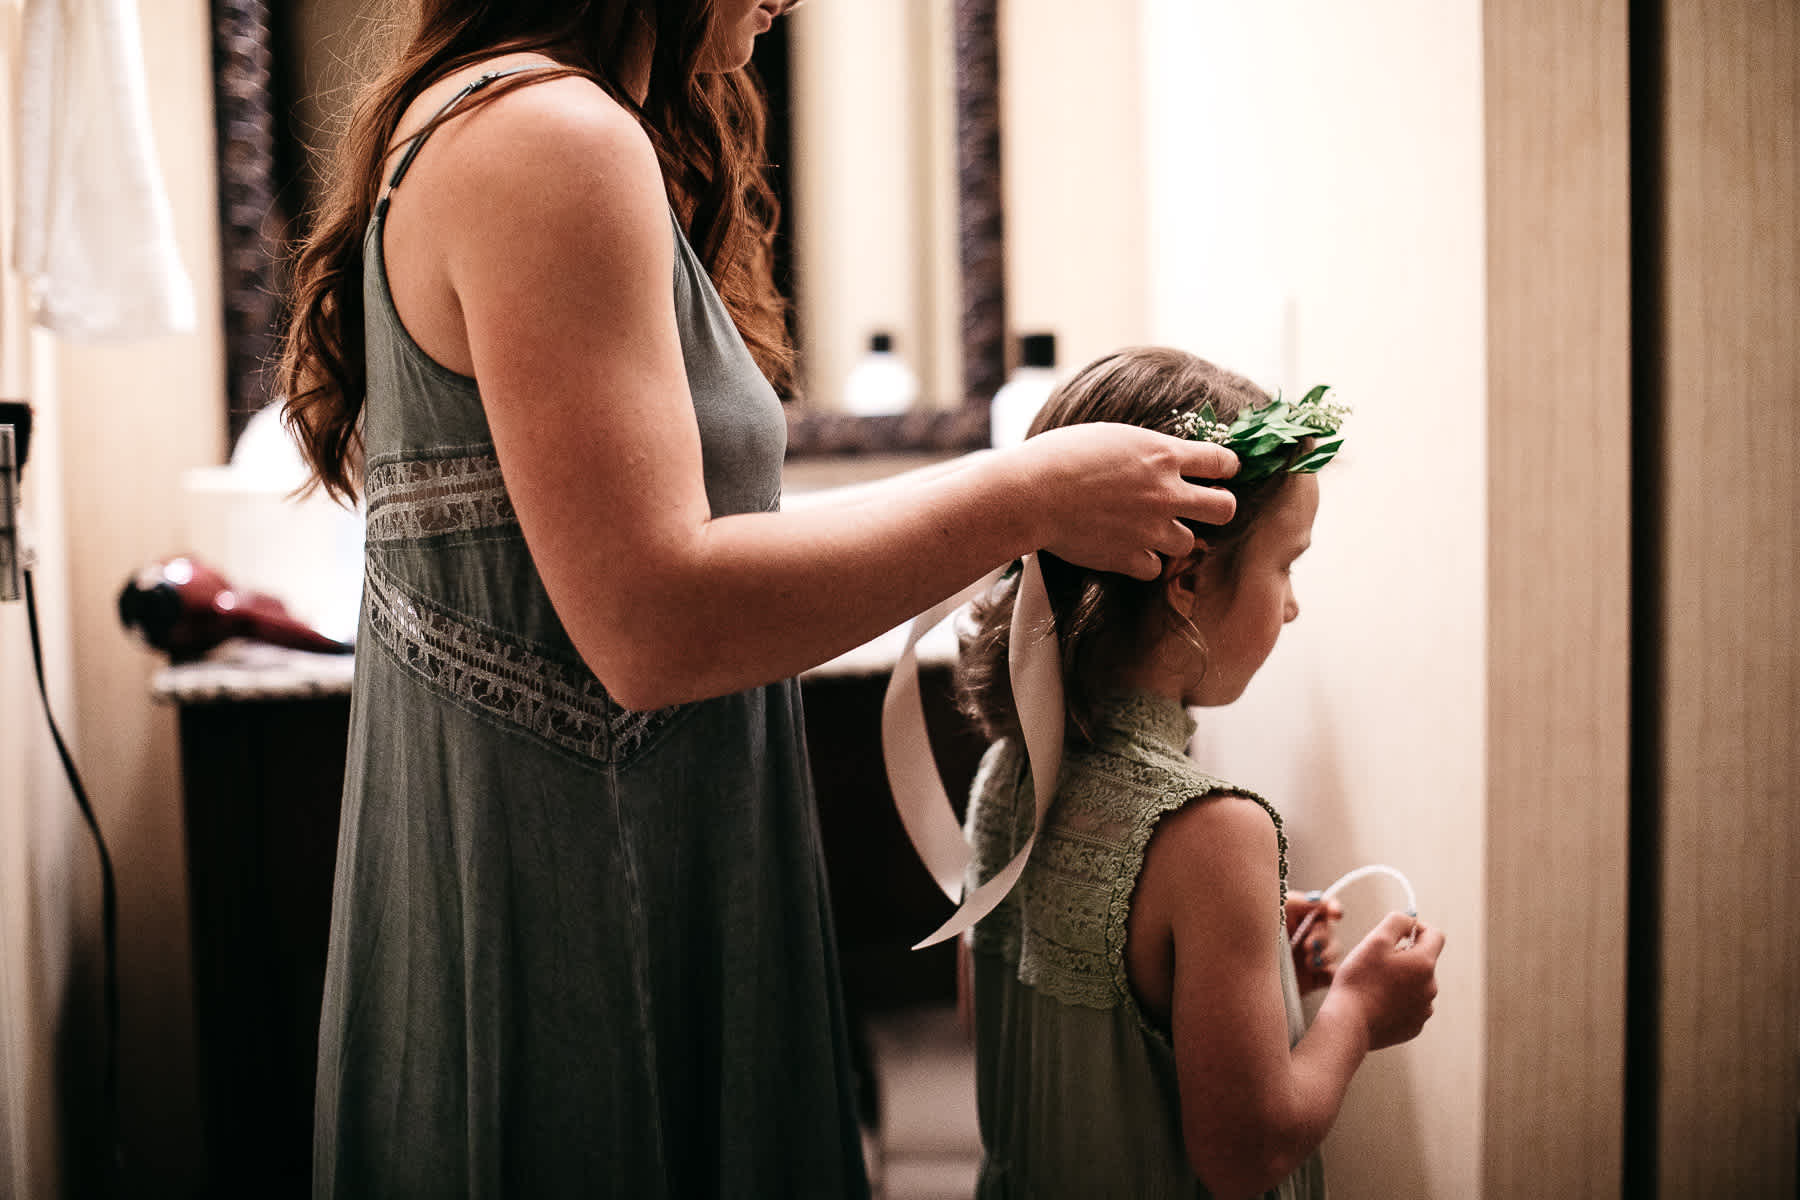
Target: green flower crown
(1260, 437)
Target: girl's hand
(1316, 957)
(1393, 980)
(1112, 497)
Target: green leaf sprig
(1261, 437)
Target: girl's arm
(1252, 1109)
(550, 226)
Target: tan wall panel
(1559, 410)
(1730, 1080)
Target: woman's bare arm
(549, 231)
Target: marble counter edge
(241, 671)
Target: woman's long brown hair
(707, 128)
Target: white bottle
(1025, 390)
(880, 384)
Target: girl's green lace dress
(1076, 1085)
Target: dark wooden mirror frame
(252, 235)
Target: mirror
(895, 97)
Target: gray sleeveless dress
(575, 950)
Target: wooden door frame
(1559, 591)
(1642, 986)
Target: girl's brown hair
(708, 130)
(1104, 618)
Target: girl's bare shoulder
(1216, 853)
(1206, 875)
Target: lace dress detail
(461, 492)
(1065, 922)
(503, 678)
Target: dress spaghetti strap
(417, 140)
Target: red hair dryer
(185, 608)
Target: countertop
(251, 671)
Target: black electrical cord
(109, 916)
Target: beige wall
(1315, 176)
(38, 832)
(1072, 158)
(121, 422)
(37, 829)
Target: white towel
(96, 240)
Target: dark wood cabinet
(261, 782)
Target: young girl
(1136, 1006)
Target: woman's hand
(1392, 977)
(1316, 957)
(1112, 497)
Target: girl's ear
(1184, 579)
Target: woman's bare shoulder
(560, 128)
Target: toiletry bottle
(880, 384)
(1025, 390)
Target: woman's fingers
(1175, 544)
(1144, 565)
(1205, 460)
(1208, 505)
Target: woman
(580, 941)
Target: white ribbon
(912, 773)
(1034, 666)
